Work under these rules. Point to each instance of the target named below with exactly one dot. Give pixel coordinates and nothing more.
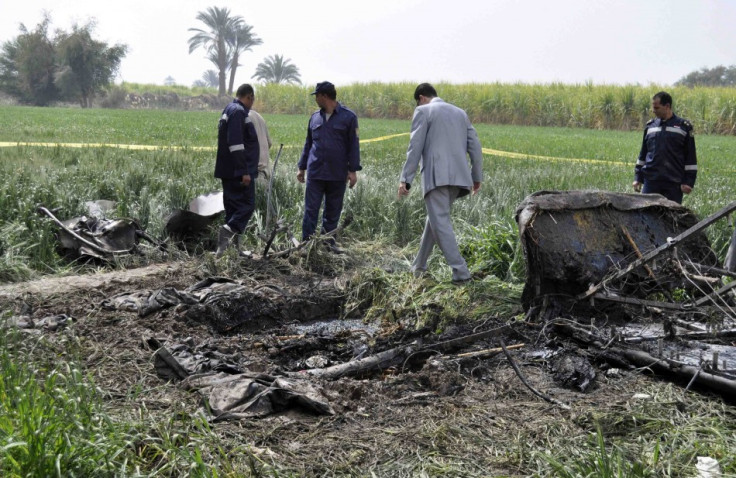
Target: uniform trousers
(319, 192)
(239, 201)
(667, 189)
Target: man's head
(323, 92)
(662, 105)
(246, 95)
(424, 94)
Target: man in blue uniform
(237, 166)
(667, 163)
(330, 159)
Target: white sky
(459, 41)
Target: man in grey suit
(441, 139)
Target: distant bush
(717, 76)
(114, 98)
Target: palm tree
(274, 69)
(214, 39)
(241, 40)
(210, 79)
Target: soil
(438, 414)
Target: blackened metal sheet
(573, 239)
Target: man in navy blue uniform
(667, 163)
(237, 166)
(330, 159)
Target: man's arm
(419, 126)
(475, 151)
(353, 146)
(640, 162)
(302, 164)
(236, 143)
(252, 149)
(691, 162)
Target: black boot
(224, 239)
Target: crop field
(148, 184)
(95, 386)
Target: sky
(457, 41)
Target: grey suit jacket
(441, 139)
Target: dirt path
(75, 283)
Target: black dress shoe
(334, 249)
(461, 281)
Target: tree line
(716, 76)
(38, 68)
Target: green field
(148, 185)
(55, 398)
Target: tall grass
(53, 423)
(50, 425)
(661, 434)
(148, 185)
(619, 107)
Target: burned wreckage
(632, 276)
(627, 278)
(96, 236)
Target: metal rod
(270, 189)
(78, 237)
(649, 256)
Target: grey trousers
(438, 230)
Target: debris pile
(632, 277)
(96, 236)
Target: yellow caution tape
(381, 138)
(151, 147)
(508, 154)
(147, 147)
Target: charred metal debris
(632, 277)
(97, 236)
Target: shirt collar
(337, 109)
(670, 120)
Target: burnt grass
(435, 414)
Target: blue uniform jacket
(667, 152)
(331, 148)
(237, 143)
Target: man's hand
(476, 187)
(246, 180)
(637, 186)
(686, 189)
(300, 175)
(352, 178)
(403, 190)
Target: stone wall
(174, 101)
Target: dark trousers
(239, 201)
(331, 193)
(667, 189)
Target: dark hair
(664, 98)
(244, 90)
(425, 89)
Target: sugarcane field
(141, 336)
